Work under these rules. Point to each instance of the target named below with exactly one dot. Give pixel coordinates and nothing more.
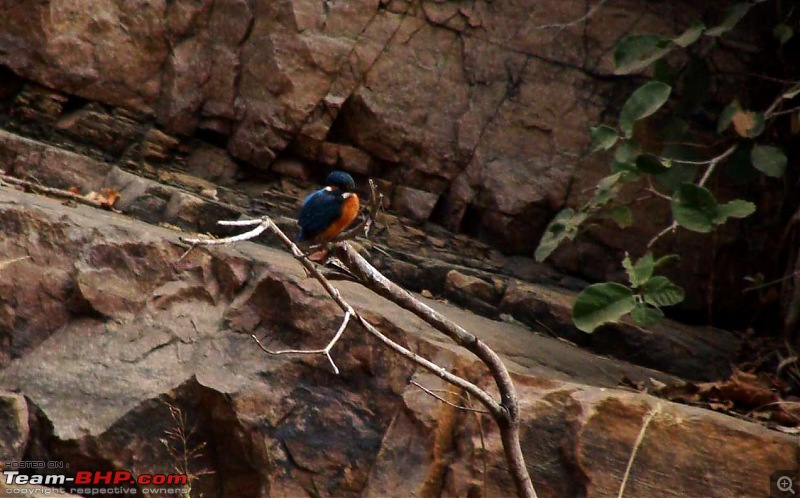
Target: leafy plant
(609, 301)
(677, 169)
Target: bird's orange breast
(350, 208)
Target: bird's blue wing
(319, 211)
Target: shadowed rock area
(101, 355)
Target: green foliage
(643, 102)
(603, 138)
(681, 87)
(782, 33)
(563, 227)
(602, 303)
(694, 208)
(769, 160)
(660, 291)
(635, 52)
(608, 302)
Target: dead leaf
(106, 198)
(747, 123)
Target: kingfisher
(328, 211)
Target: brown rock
(462, 287)
(93, 125)
(292, 168)
(14, 429)
(355, 160)
(100, 387)
(213, 164)
(108, 294)
(416, 204)
(50, 165)
(345, 157)
(88, 53)
(158, 146)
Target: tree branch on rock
(505, 412)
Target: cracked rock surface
(99, 356)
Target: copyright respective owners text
(56, 478)
(783, 483)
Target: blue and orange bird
(328, 211)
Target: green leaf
(677, 175)
(737, 208)
(782, 33)
(634, 52)
(727, 114)
(648, 163)
(691, 35)
(660, 291)
(645, 315)
(627, 151)
(603, 138)
(601, 303)
(643, 102)
(769, 160)
(694, 208)
(663, 260)
(607, 189)
(622, 216)
(564, 226)
(640, 272)
(733, 15)
(629, 171)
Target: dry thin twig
(649, 418)
(52, 191)
(440, 398)
(326, 350)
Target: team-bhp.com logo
(92, 482)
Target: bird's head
(340, 180)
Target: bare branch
(54, 192)
(255, 232)
(713, 163)
(505, 413)
(326, 350)
(662, 233)
(432, 393)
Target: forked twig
(440, 398)
(326, 350)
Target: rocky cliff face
(475, 114)
(106, 332)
